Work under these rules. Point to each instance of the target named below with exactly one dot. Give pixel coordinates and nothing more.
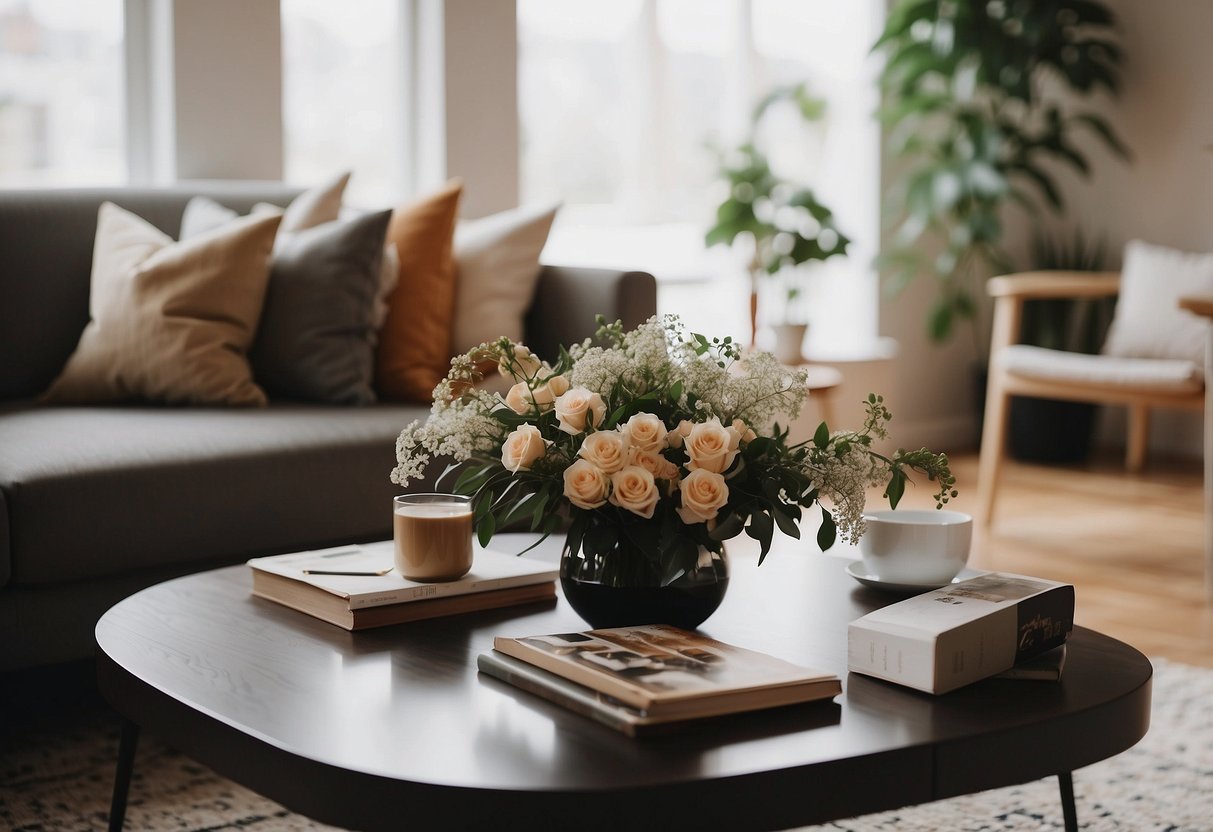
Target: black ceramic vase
(623, 587)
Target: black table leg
(1070, 814)
(122, 776)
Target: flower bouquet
(654, 446)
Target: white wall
(1165, 114)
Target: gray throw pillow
(316, 337)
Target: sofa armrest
(567, 300)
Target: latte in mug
(433, 536)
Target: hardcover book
(953, 636)
(378, 596)
(663, 673)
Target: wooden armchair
(1139, 384)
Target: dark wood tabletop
(392, 727)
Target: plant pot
(623, 587)
(1048, 430)
(789, 343)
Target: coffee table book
(633, 678)
(950, 637)
(357, 602)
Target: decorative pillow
(316, 339)
(171, 322)
(1148, 322)
(414, 344)
(313, 207)
(497, 259)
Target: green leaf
(828, 532)
(485, 529)
(821, 437)
(762, 529)
(727, 527)
(785, 522)
(896, 487)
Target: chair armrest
(1197, 305)
(1054, 284)
(568, 299)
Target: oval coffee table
(392, 727)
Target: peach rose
(525, 364)
(712, 446)
(633, 489)
(645, 432)
(559, 385)
(606, 449)
(522, 399)
(522, 447)
(578, 409)
(678, 435)
(585, 484)
(703, 494)
(746, 432)
(656, 464)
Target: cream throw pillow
(170, 322)
(1148, 322)
(497, 259)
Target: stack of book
(355, 587)
(639, 679)
(950, 637)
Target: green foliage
(1075, 325)
(789, 226)
(966, 107)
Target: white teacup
(915, 547)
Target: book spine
(1044, 621)
(558, 691)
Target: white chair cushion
(1163, 375)
(1148, 322)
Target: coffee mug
(915, 546)
(433, 535)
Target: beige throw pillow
(497, 258)
(170, 322)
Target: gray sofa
(97, 502)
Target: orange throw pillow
(414, 351)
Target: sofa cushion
(171, 322)
(47, 240)
(414, 350)
(497, 258)
(1160, 375)
(101, 490)
(316, 342)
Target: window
(61, 93)
(626, 106)
(342, 79)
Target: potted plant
(1051, 430)
(786, 225)
(969, 113)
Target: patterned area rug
(56, 774)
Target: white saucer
(855, 570)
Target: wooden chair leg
(1139, 437)
(993, 447)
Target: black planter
(1047, 430)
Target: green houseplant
(1050, 430)
(787, 226)
(980, 104)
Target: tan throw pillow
(414, 344)
(497, 260)
(171, 322)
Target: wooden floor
(1131, 545)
